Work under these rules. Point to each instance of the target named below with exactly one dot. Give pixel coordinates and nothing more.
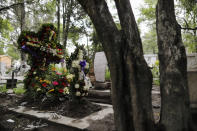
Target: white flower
(87, 66)
(66, 90)
(70, 76)
(76, 86)
(78, 93)
(83, 94)
(86, 94)
(80, 52)
(85, 88)
(80, 75)
(75, 64)
(38, 89)
(80, 57)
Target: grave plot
(50, 94)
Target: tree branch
(188, 28)
(10, 6)
(102, 19)
(15, 4)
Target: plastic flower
(55, 83)
(76, 86)
(78, 93)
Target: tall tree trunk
(68, 12)
(58, 19)
(173, 69)
(22, 27)
(131, 77)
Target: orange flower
(53, 69)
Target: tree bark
(58, 19)
(22, 27)
(67, 27)
(173, 69)
(131, 77)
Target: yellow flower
(41, 80)
(51, 90)
(47, 81)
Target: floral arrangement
(43, 49)
(79, 67)
(42, 44)
(54, 84)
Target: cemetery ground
(19, 115)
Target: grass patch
(3, 88)
(19, 90)
(156, 82)
(107, 75)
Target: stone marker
(192, 78)
(100, 65)
(2, 68)
(191, 61)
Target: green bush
(3, 88)
(155, 72)
(107, 75)
(19, 90)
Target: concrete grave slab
(80, 124)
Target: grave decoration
(79, 67)
(43, 49)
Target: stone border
(80, 124)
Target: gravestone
(2, 69)
(191, 60)
(192, 78)
(100, 65)
(151, 59)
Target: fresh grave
(13, 117)
(45, 87)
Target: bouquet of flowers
(81, 83)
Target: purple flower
(82, 64)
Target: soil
(27, 123)
(67, 108)
(74, 109)
(101, 124)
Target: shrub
(107, 75)
(3, 88)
